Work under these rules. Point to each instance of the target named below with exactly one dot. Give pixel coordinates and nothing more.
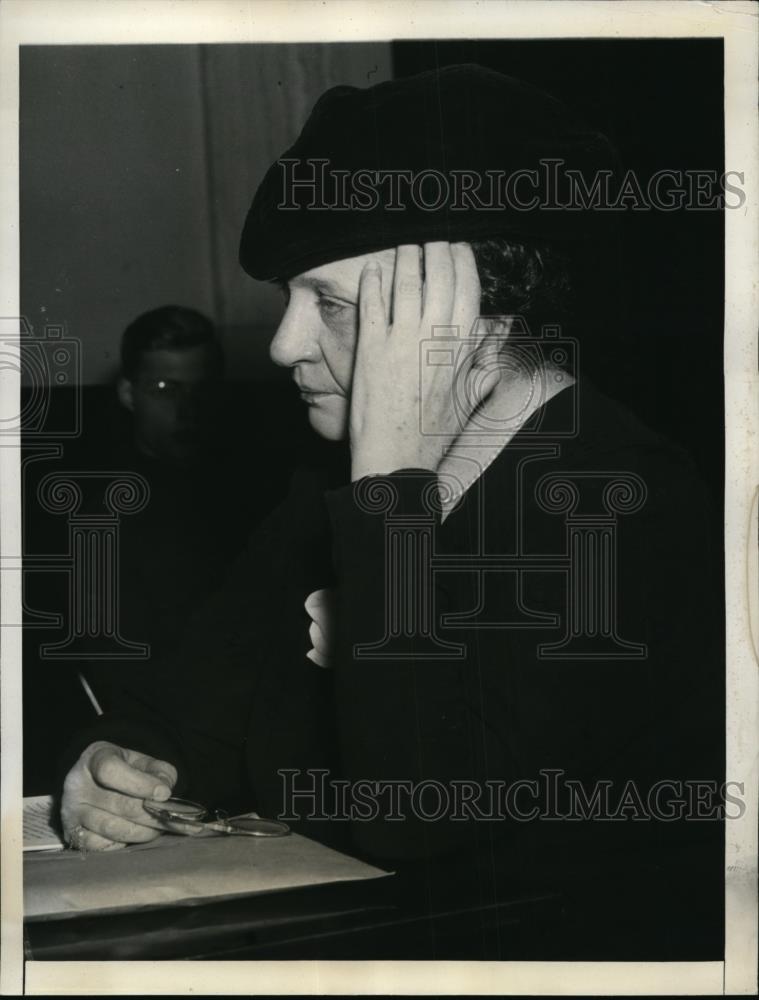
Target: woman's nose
(295, 340)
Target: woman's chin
(330, 420)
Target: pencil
(90, 694)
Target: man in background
(172, 366)
(175, 550)
(164, 424)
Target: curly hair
(529, 280)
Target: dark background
(652, 299)
(649, 317)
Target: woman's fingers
(111, 770)
(448, 295)
(387, 377)
(439, 287)
(474, 383)
(125, 806)
(466, 302)
(115, 828)
(407, 287)
(164, 771)
(371, 307)
(86, 840)
(102, 801)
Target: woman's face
(318, 334)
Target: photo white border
(59, 22)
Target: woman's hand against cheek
(403, 413)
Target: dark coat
(482, 696)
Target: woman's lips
(314, 395)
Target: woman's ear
(124, 392)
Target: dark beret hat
(438, 156)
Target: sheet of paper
(40, 832)
(177, 869)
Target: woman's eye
(331, 306)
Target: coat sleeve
(406, 701)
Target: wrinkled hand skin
(103, 797)
(394, 395)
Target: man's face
(318, 335)
(170, 399)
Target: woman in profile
(472, 658)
